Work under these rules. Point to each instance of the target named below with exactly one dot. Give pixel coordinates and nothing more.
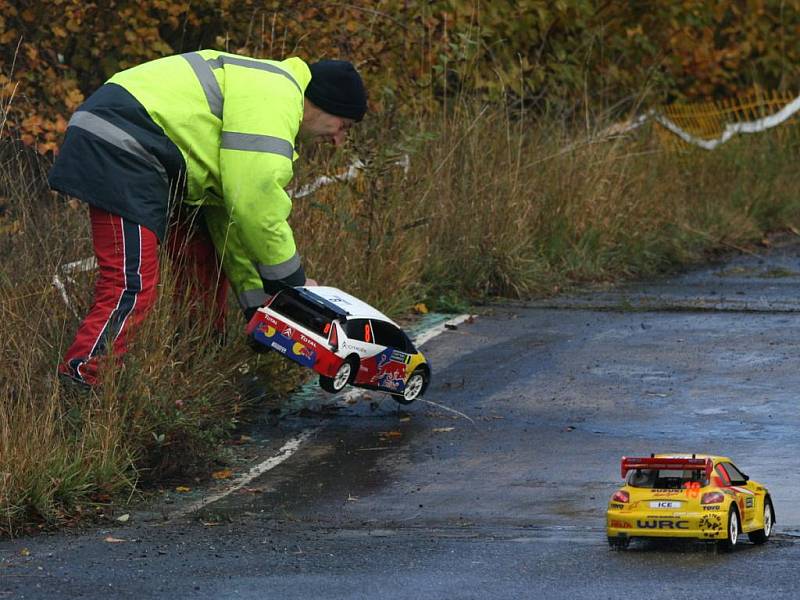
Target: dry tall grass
(499, 205)
(490, 205)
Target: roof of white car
(358, 309)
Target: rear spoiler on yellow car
(630, 463)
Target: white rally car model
(342, 338)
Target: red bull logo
(303, 354)
(301, 350)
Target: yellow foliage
(561, 54)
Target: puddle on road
(627, 372)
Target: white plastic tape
(347, 175)
(730, 130)
(85, 264)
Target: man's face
(321, 126)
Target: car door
(361, 340)
(745, 497)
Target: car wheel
(734, 530)
(618, 543)
(415, 386)
(762, 535)
(344, 375)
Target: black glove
(271, 286)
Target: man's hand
(310, 282)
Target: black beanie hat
(336, 88)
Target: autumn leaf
(73, 99)
(222, 474)
(113, 540)
(182, 489)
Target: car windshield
(666, 479)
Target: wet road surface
(497, 486)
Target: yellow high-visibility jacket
(234, 120)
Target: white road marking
(431, 333)
(286, 451)
(290, 447)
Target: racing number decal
(692, 489)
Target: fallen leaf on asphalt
(405, 419)
(24, 552)
(421, 308)
(222, 474)
(442, 429)
(388, 435)
(113, 540)
(182, 489)
(244, 439)
(123, 518)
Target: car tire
(345, 374)
(760, 536)
(618, 543)
(734, 530)
(415, 387)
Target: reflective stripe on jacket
(235, 120)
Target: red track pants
(125, 289)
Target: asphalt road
(496, 487)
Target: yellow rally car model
(702, 497)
